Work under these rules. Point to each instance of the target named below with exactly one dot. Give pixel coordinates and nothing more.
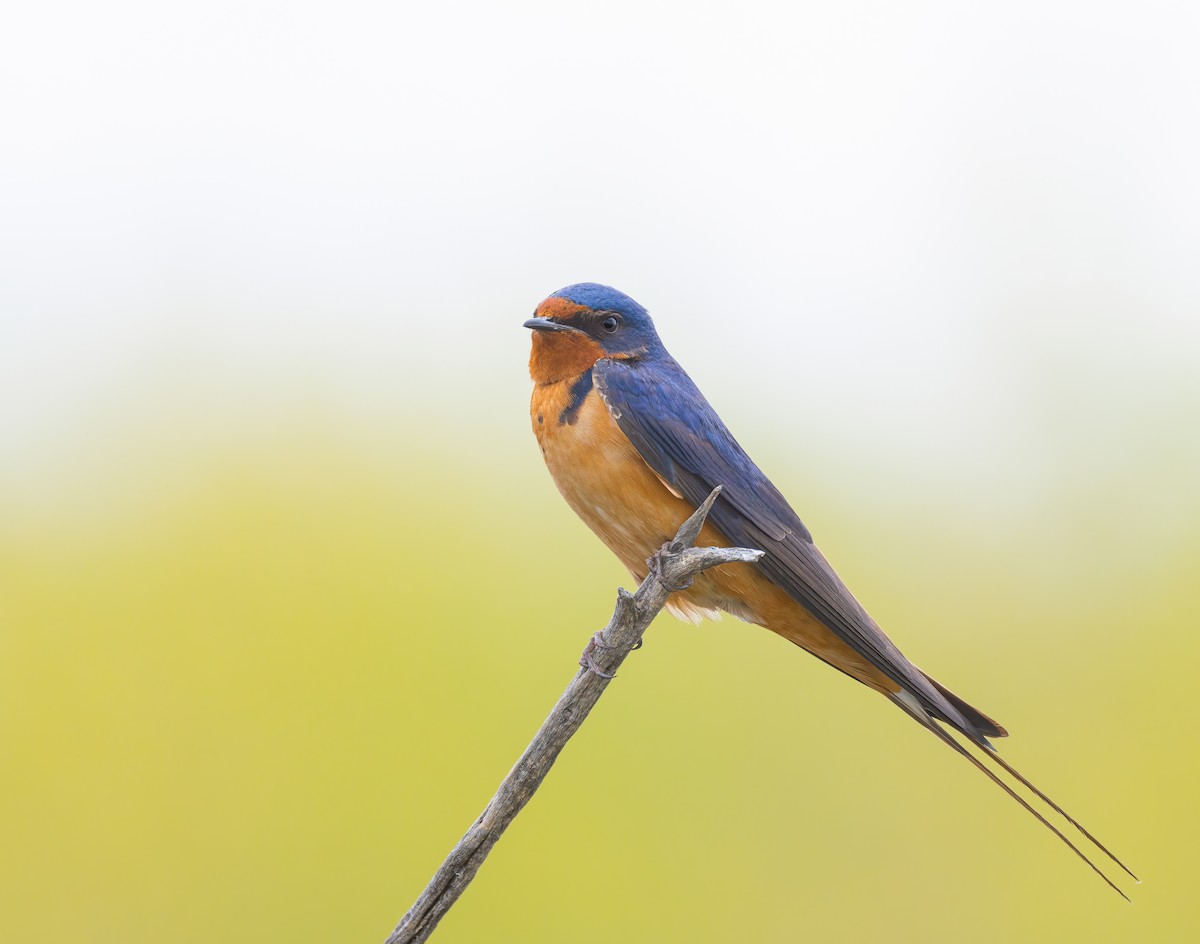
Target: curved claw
(586, 660)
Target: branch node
(658, 560)
(689, 531)
(626, 610)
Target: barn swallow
(634, 448)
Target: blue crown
(601, 298)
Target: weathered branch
(672, 568)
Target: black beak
(545, 324)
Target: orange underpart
(561, 355)
(618, 496)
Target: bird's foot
(655, 563)
(586, 660)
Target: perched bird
(634, 447)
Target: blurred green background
(284, 586)
(263, 698)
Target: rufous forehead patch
(560, 309)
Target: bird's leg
(586, 660)
(596, 642)
(654, 562)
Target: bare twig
(672, 568)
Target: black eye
(610, 324)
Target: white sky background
(956, 242)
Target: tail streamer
(919, 714)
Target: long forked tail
(914, 710)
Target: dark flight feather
(681, 438)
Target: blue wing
(680, 436)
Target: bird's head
(580, 324)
